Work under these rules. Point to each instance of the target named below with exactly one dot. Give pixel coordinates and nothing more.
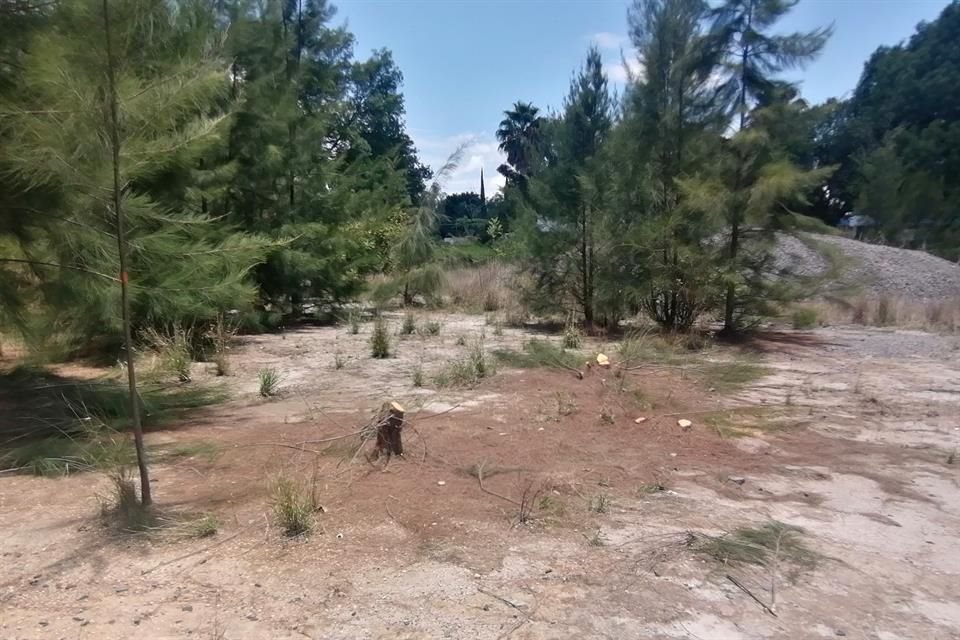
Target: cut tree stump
(389, 427)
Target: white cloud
(607, 40)
(617, 70)
(479, 152)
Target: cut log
(389, 429)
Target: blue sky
(465, 61)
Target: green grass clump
(804, 318)
(294, 505)
(467, 371)
(538, 353)
(269, 381)
(380, 340)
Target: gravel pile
(875, 269)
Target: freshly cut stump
(389, 429)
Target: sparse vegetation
(599, 503)
(418, 378)
(339, 360)
(123, 509)
(270, 380)
(380, 339)
(429, 328)
(804, 318)
(467, 371)
(758, 546)
(409, 326)
(353, 319)
(294, 504)
(538, 353)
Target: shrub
(804, 318)
(269, 381)
(409, 325)
(429, 328)
(380, 340)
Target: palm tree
(519, 136)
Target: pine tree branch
(60, 266)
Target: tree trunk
(389, 429)
(146, 497)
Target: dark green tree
(566, 197)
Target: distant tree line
(669, 200)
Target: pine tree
(112, 99)
(753, 55)
(565, 197)
(671, 128)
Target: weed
(498, 328)
(461, 341)
(294, 504)
(353, 318)
(595, 539)
(409, 326)
(270, 380)
(606, 415)
(538, 353)
(220, 335)
(551, 505)
(380, 340)
(529, 498)
(648, 488)
(491, 301)
(758, 546)
(566, 405)
(339, 361)
(202, 527)
(886, 313)
(123, 508)
(173, 350)
(952, 458)
(429, 328)
(418, 376)
(572, 338)
(860, 311)
(600, 503)
(804, 318)
(468, 371)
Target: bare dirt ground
(849, 437)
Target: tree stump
(389, 427)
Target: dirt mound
(869, 268)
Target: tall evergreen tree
(752, 56)
(670, 131)
(112, 97)
(566, 197)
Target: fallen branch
(485, 490)
(750, 593)
(285, 445)
(518, 607)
